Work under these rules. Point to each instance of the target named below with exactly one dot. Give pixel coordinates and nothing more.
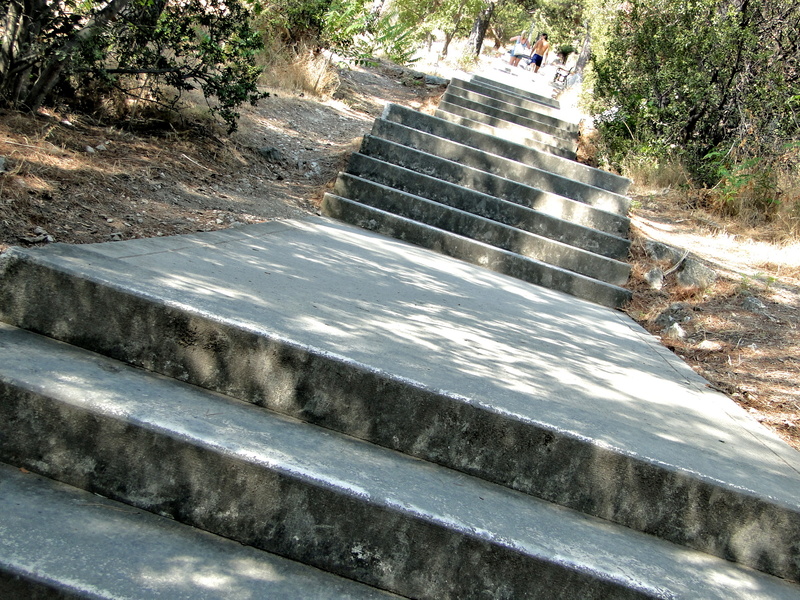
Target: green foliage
(564, 51)
(135, 47)
(291, 21)
(562, 20)
(693, 79)
(358, 34)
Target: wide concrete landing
(522, 350)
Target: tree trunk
(55, 66)
(479, 28)
(448, 37)
(586, 51)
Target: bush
(144, 49)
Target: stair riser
(505, 125)
(516, 135)
(459, 85)
(474, 252)
(490, 84)
(517, 152)
(483, 230)
(521, 109)
(502, 167)
(322, 525)
(530, 120)
(341, 395)
(540, 223)
(62, 542)
(493, 185)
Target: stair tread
(481, 180)
(60, 537)
(502, 167)
(567, 378)
(488, 231)
(505, 148)
(375, 476)
(549, 223)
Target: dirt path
(68, 180)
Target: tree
(54, 49)
(709, 81)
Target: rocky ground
(68, 179)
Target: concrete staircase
(311, 410)
(461, 184)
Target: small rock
(679, 312)
(655, 278)
(753, 304)
(434, 80)
(272, 154)
(694, 274)
(2, 164)
(675, 332)
(90, 150)
(709, 346)
(101, 147)
(115, 237)
(658, 251)
(38, 239)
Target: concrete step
(494, 185)
(512, 99)
(517, 91)
(57, 541)
(512, 114)
(497, 165)
(490, 207)
(501, 147)
(488, 256)
(407, 349)
(516, 130)
(514, 134)
(324, 499)
(521, 109)
(469, 225)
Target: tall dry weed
(298, 69)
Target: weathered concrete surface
(511, 98)
(515, 90)
(501, 147)
(494, 145)
(491, 207)
(486, 94)
(417, 352)
(488, 256)
(515, 134)
(514, 129)
(482, 229)
(512, 114)
(513, 191)
(57, 541)
(497, 165)
(325, 499)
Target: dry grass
(751, 354)
(298, 70)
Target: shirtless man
(540, 51)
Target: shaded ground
(70, 180)
(743, 332)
